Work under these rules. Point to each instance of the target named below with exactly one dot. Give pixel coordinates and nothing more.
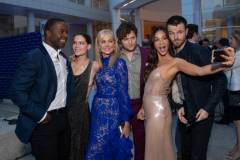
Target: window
(100, 4)
(77, 1)
(220, 18)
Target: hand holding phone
(216, 55)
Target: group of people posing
(132, 86)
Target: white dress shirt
(60, 65)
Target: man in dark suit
(41, 90)
(136, 58)
(200, 95)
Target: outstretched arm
(194, 70)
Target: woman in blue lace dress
(111, 104)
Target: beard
(178, 44)
(129, 50)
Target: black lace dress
(79, 115)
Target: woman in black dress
(79, 115)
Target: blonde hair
(115, 53)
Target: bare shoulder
(178, 61)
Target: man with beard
(41, 90)
(200, 95)
(136, 58)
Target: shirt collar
(51, 51)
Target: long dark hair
(87, 39)
(152, 61)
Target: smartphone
(121, 127)
(217, 55)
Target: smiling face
(106, 45)
(57, 35)
(80, 45)
(161, 43)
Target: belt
(59, 110)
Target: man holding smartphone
(200, 95)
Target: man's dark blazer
(200, 92)
(34, 88)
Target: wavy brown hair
(152, 61)
(124, 29)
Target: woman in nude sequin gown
(158, 118)
(160, 72)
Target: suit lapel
(51, 68)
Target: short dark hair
(192, 28)
(176, 20)
(124, 29)
(224, 42)
(203, 40)
(51, 22)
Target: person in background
(111, 109)
(222, 43)
(233, 76)
(205, 43)
(41, 89)
(78, 110)
(135, 58)
(192, 34)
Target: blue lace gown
(111, 106)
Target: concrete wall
(64, 7)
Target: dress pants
(138, 131)
(51, 141)
(194, 140)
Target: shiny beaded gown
(158, 118)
